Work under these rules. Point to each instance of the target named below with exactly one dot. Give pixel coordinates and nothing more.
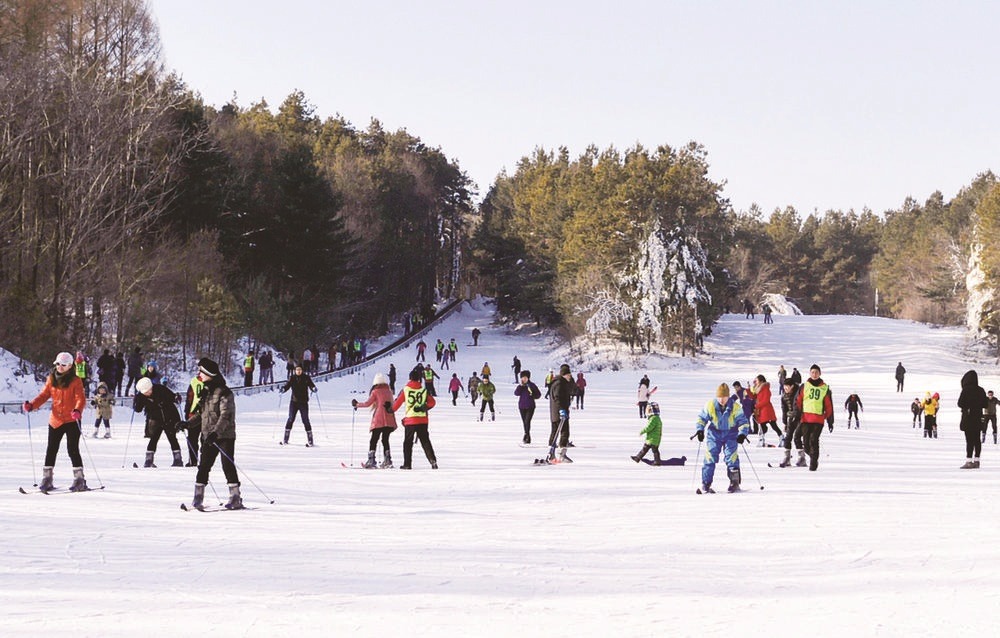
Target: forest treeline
(134, 214)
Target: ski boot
(309, 438)
(149, 459)
(785, 462)
(527, 439)
(79, 483)
(288, 433)
(97, 431)
(706, 489)
(235, 501)
(107, 433)
(198, 502)
(386, 462)
(802, 459)
(562, 456)
(434, 465)
(969, 465)
(370, 463)
(46, 483)
(636, 458)
(178, 461)
(734, 480)
(975, 463)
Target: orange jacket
(64, 400)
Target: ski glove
(27, 406)
(563, 414)
(741, 438)
(181, 425)
(354, 403)
(388, 406)
(701, 435)
(75, 415)
(211, 438)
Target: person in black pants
(560, 396)
(301, 385)
(161, 418)
(973, 402)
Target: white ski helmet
(143, 385)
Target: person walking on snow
(973, 403)
(473, 386)
(917, 408)
(581, 387)
(527, 393)
(383, 420)
(454, 386)
(301, 385)
(763, 410)
(103, 402)
(560, 398)
(815, 404)
(653, 432)
(900, 373)
(66, 391)
(792, 418)
(161, 418)
(487, 390)
(421, 350)
(516, 366)
(991, 415)
(643, 394)
(415, 422)
(216, 417)
(429, 376)
(725, 426)
(852, 405)
(931, 403)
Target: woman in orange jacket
(65, 389)
(763, 409)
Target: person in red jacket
(383, 420)
(815, 403)
(418, 401)
(65, 389)
(763, 410)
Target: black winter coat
(973, 402)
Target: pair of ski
(362, 467)
(190, 508)
(58, 490)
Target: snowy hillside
(887, 538)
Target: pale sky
(817, 105)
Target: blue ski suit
(724, 423)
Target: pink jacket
(376, 400)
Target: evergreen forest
(136, 215)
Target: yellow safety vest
(415, 397)
(812, 398)
(197, 385)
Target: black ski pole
(128, 437)
(750, 461)
(277, 414)
(354, 413)
(31, 450)
(90, 457)
(697, 455)
(223, 453)
(555, 439)
(322, 417)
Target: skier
(991, 415)
(973, 403)
(653, 432)
(473, 386)
(415, 422)
(792, 418)
(161, 418)
(486, 369)
(560, 397)
(429, 376)
(383, 420)
(516, 366)
(917, 408)
(152, 373)
(852, 405)
(134, 366)
(527, 393)
(421, 350)
(727, 427)
(763, 412)
(900, 373)
(487, 390)
(643, 395)
(815, 404)
(581, 387)
(475, 336)
(216, 416)
(103, 401)
(192, 400)
(66, 391)
(392, 378)
(301, 385)
(454, 386)
(930, 415)
(452, 349)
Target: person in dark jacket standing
(134, 366)
(973, 403)
(852, 405)
(216, 416)
(560, 397)
(120, 367)
(161, 417)
(527, 393)
(301, 385)
(991, 415)
(900, 373)
(791, 417)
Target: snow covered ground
(888, 538)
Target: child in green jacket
(653, 431)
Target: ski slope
(887, 538)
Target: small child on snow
(653, 432)
(103, 402)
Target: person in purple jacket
(747, 403)
(526, 392)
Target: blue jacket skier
(727, 427)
